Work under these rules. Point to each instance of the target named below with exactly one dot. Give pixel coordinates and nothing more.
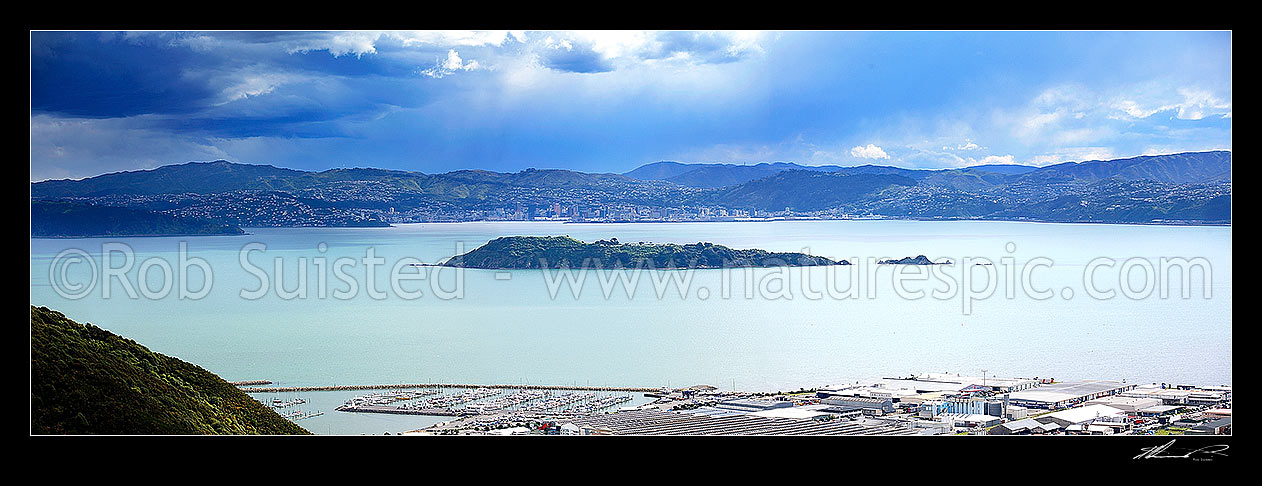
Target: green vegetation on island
(919, 260)
(65, 219)
(86, 380)
(523, 252)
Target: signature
(1156, 452)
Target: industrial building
(1207, 397)
(1027, 426)
(992, 384)
(795, 413)
(1099, 427)
(1083, 414)
(753, 405)
(1168, 396)
(1217, 413)
(1128, 404)
(970, 419)
(1220, 426)
(999, 407)
(877, 406)
(1160, 411)
(661, 422)
(917, 388)
(1065, 394)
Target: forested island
(525, 252)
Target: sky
(610, 101)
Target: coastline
(744, 220)
(776, 220)
(173, 235)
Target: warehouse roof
(794, 413)
(1023, 424)
(1058, 392)
(1083, 414)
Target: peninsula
(524, 252)
(66, 219)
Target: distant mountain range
(1190, 187)
(1182, 168)
(724, 175)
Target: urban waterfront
(922, 404)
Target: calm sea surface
(768, 329)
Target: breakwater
(287, 389)
(250, 382)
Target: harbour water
(767, 330)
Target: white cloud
(1041, 160)
(250, 84)
(365, 42)
(342, 43)
(996, 159)
(1188, 103)
(1133, 109)
(453, 63)
(613, 43)
(622, 47)
(456, 38)
(1198, 104)
(869, 152)
(1037, 121)
(1074, 154)
(558, 44)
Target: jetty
(286, 389)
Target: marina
(485, 400)
(288, 408)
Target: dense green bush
(86, 380)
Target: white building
(1084, 414)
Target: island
(527, 252)
(919, 260)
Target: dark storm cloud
(96, 75)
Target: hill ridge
(87, 380)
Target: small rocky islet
(918, 260)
